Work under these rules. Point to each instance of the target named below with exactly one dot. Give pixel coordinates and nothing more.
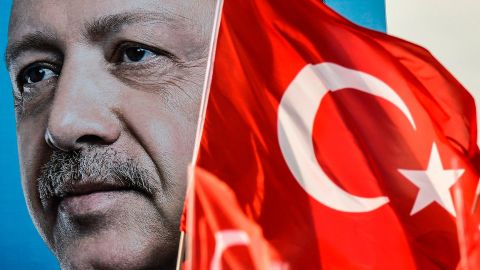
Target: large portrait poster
(106, 97)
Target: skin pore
(107, 95)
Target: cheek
(33, 153)
(166, 132)
(162, 114)
(167, 137)
(32, 150)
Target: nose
(82, 110)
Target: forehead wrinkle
(102, 27)
(43, 41)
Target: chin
(114, 252)
(129, 234)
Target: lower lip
(93, 203)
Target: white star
(434, 183)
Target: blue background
(368, 13)
(20, 245)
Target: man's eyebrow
(106, 25)
(95, 30)
(36, 41)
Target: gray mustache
(65, 169)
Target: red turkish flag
(340, 144)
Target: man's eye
(37, 74)
(137, 54)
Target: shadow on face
(107, 95)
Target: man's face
(107, 95)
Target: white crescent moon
(296, 115)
